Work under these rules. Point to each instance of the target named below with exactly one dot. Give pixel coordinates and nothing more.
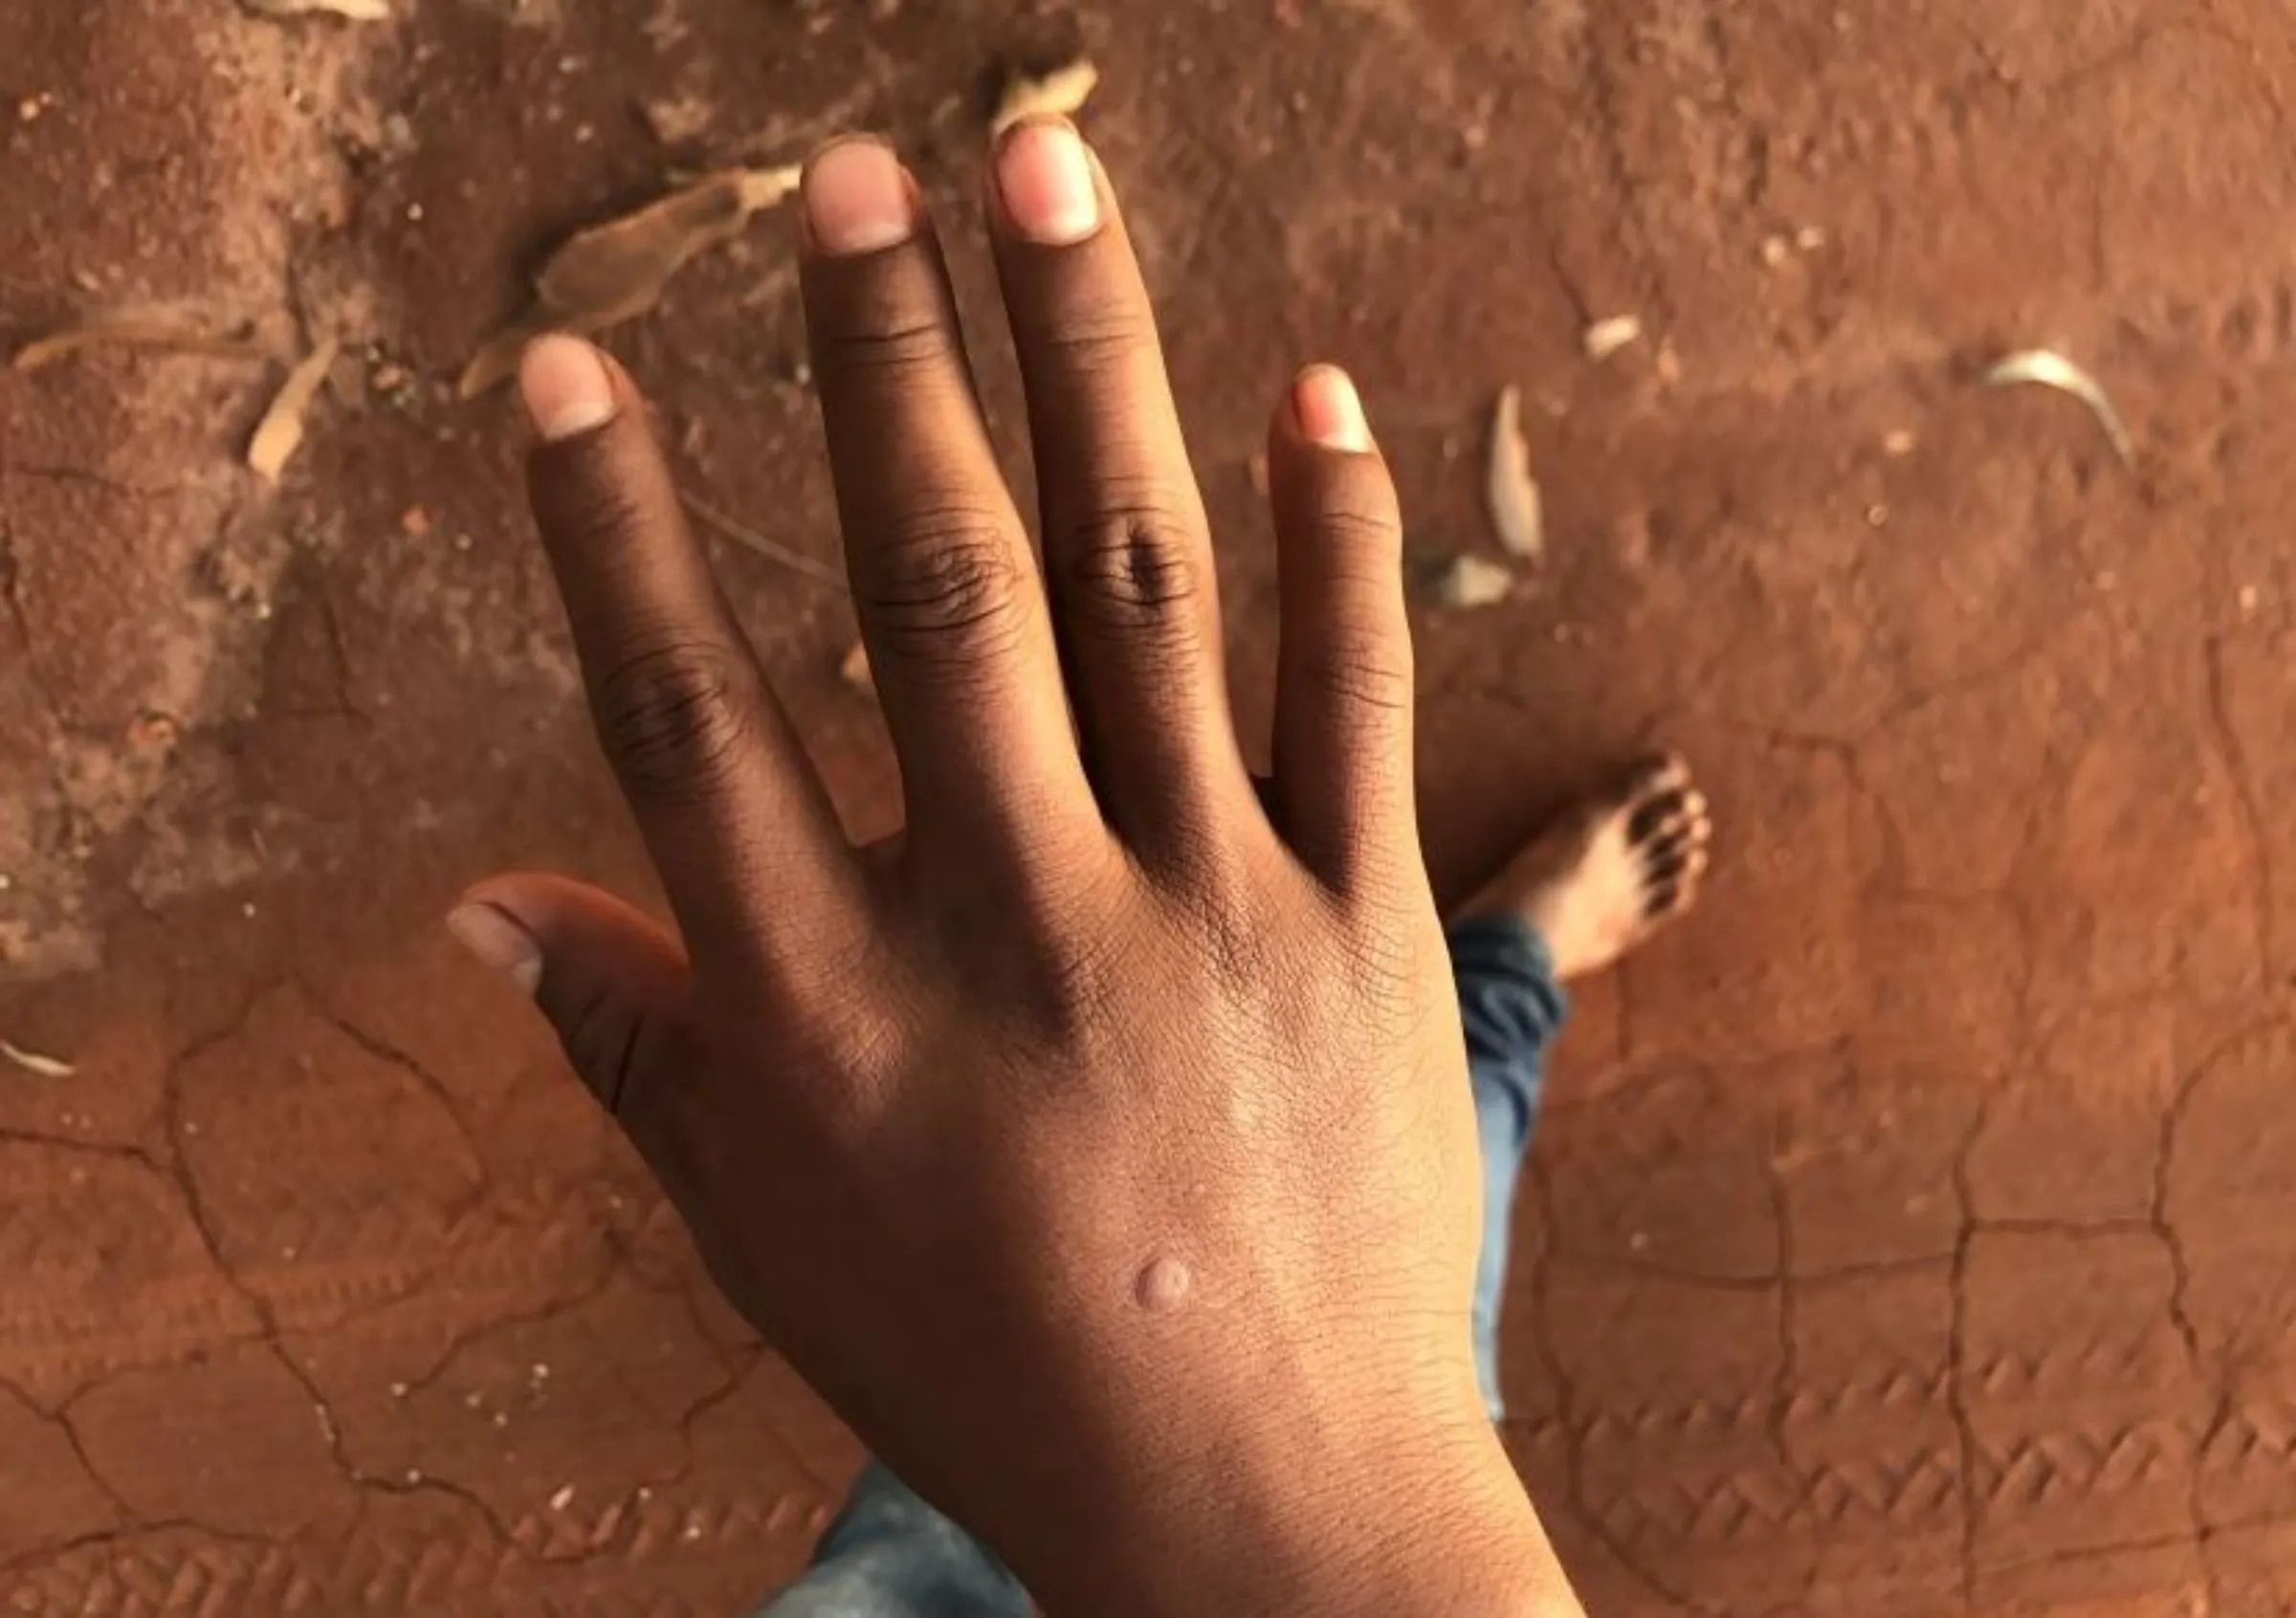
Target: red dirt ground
(1913, 1233)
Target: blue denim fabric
(1512, 1007)
(890, 1554)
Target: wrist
(1432, 1520)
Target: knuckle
(1223, 911)
(1080, 985)
(1384, 941)
(1364, 668)
(1097, 342)
(886, 342)
(608, 1041)
(951, 589)
(1131, 569)
(672, 717)
(1360, 540)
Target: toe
(1671, 868)
(1653, 815)
(1674, 817)
(1654, 777)
(1659, 773)
(1693, 827)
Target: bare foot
(1612, 871)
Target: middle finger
(1127, 549)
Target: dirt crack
(383, 1050)
(88, 478)
(60, 1420)
(2252, 816)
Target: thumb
(613, 983)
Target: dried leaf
(616, 272)
(773, 550)
(1509, 489)
(620, 267)
(1469, 581)
(2045, 368)
(33, 1062)
(351, 11)
(280, 431)
(1605, 338)
(853, 669)
(764, 188)
(1062, 92)
(499, 355)
(128, 331)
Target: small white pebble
(1809, 238)
(414, 1475)
(472, 1401)
(398, 1391)
(1898, 441)
(1606, 337)
(693, 1533)
(6, 881)
(1876, 516)
(564, 1498)
(2249, 598)
(414, 214)
(248, 909)
(1774, 250)
(541, 1371)
(501, 1418)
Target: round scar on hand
(1163, 1285)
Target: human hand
(1101, 1148)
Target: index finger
(732, 811)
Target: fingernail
(499, 942)
(1329, 410)
(857, 200)
(1046, 181)
(565, 386)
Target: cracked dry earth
(1914, 1232)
